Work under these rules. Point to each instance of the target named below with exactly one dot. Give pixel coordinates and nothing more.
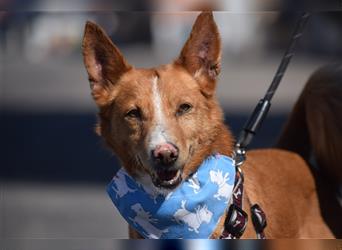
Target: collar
(190, 211)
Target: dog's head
(160, 121)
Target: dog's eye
(184, 108)
(134, 113)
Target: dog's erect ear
(201, 54)
(103, 61)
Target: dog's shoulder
(278, 167)
(274, 155)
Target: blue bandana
(190, 211)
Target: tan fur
(279, 181)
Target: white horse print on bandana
(223, 187)
(145, 220)
(193, 220)
(120, 185)
(194, 183)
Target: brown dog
(169, 115)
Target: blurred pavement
(59, 211)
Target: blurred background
(54, 169)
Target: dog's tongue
(166, 175)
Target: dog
(163, 122)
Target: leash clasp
(239, 156)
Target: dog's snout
(165, 154)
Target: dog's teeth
(174, 179)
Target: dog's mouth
(165, 178)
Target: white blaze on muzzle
(190, 211)
(158, 134)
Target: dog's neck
(221, 143)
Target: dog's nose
(165, 154)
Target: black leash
(236, 220)
(262, 108)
